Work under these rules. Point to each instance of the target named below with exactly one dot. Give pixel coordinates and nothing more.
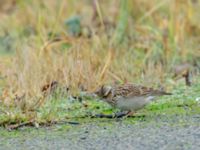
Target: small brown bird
(183, 70)
(128, 97)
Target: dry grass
(157, 36)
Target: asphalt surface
(165, 133)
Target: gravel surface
(170, 133)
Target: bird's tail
(159, 93)
(166, 93)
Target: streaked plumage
(128, 97)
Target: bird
(128, 97)
(183, 70)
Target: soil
(164, 133)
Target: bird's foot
(123, 114)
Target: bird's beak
(94, 94)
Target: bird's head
(103, 91)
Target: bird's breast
(133, 103)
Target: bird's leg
(121, 114)
(130, 113)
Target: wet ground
(164, 133)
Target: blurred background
(81, 45)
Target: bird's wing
(131, 90)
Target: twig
(152, 10)
(35, 124)
(108, 61)
(16, 126)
